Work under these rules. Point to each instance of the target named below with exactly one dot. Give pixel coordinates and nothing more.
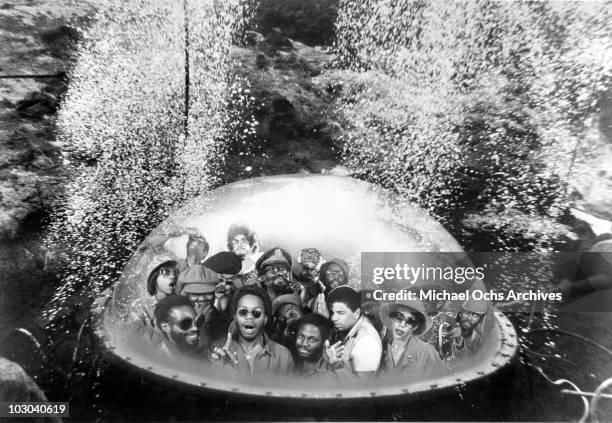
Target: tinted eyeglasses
(471, 313)
(256, 313)
(242, 240)
(399, 318)
(187, 323)
(292, 314)
(167, 271)
(334, 273)
(277, 270)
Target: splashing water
(123, 126)
(472, 109)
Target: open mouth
(399, 332)
(248, 327)
(192, 336)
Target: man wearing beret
(274, 269)
(358, 352)
(227, 265)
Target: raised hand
(220, 354)
(334, 353)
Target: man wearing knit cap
(310, 288)
(286, 311)
(274, 269)
(197, 283)
(359, 350)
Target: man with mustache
(311, 362)
(274, 269)
(251, 351)
(466, 333)
(334, 273)
(180, 326)
(310, 289)
(198, 284)
(287, 310)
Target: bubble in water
(471, 109)
(131, 157)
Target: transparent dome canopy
(341, 217)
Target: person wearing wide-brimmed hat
(404, 353)
(162, 273)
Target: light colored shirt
(362, 347)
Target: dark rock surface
(16, 385)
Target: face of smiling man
(250, 317)
(182, 329)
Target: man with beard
(310, 288)
(242, 241)
(286, 310)
(313, 331)
(334, 273)
(180, 327)
(359, 349)
(274, 269)
(466, 333)
(252, 352)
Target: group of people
(258, 313)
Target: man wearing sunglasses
(180, 327)
(250, 351)
(405, 355)
(466, 334)
(274, 269)
(198, 284)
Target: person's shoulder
(277, 349)
(367, 330)
(425, 347)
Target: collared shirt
(417, 360)
(271, 357)
(362, 347)
(317, 371)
